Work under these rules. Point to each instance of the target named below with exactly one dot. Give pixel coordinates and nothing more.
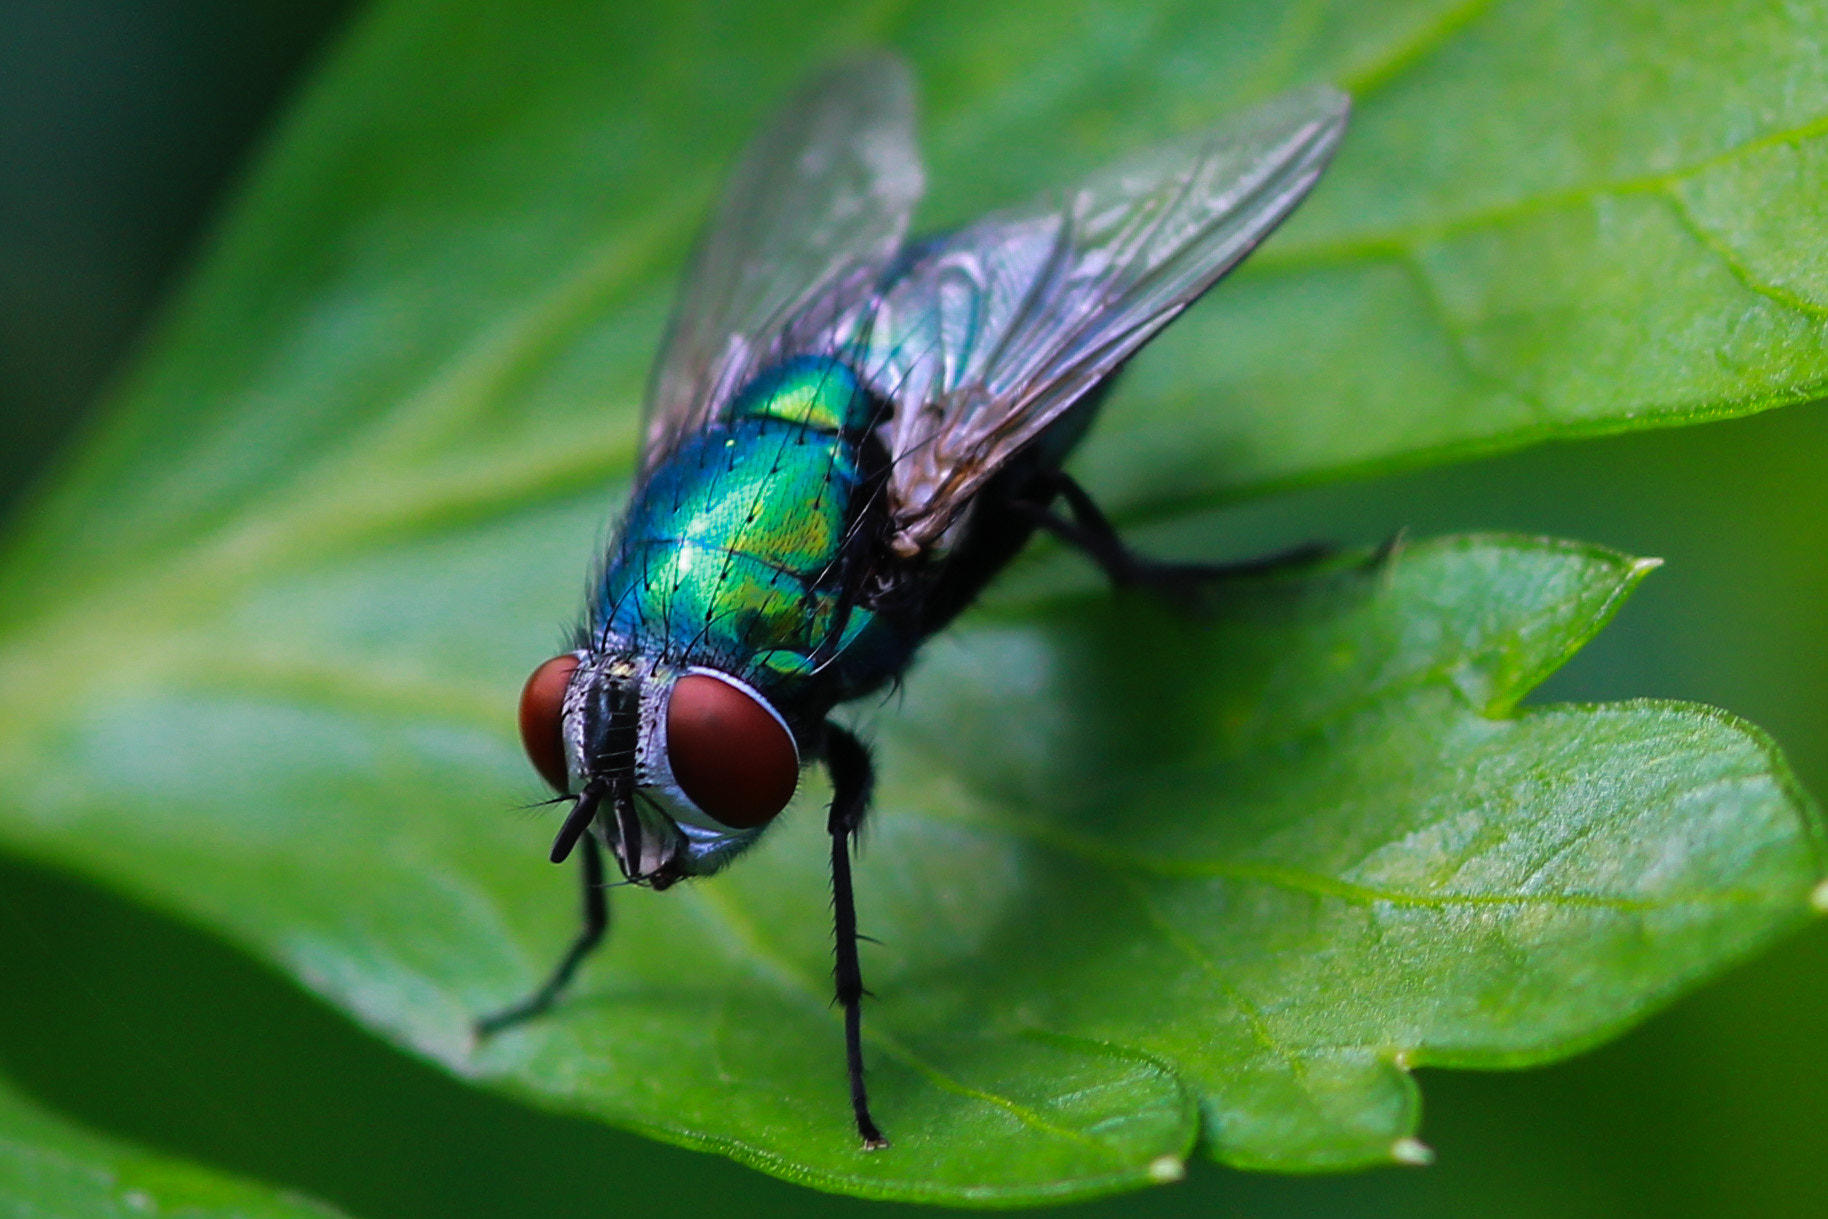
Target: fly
(847, 436)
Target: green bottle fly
(848, 435)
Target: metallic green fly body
(848, 435)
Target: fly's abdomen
(733, 552)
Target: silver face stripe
(674, 832)
(571, 720)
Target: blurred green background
(122, 123)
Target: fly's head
(676, 769)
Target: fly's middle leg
(1090, 531)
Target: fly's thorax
(748, 547)
(820, 393)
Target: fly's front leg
(596, 922)
(852, 777)
(1092, 532)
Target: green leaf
(1126, 863)
(1342, 845)
(1142, 881)
(48, 1167)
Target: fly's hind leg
(1089, 530)
(852, 777)
(596, 922)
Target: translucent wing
(816, 208)
(994, 331)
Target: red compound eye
(729, 752)
(542, 703)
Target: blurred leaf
(1140, 880)
(50, 1168)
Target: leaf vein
(1730, 258)
(776, 969)
(1248, 1011)
(1293, 257)
(1318, 884)
(1431, 38)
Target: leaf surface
(48, 1167)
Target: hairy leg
(596, 922)
(1090, 531)
(852, 777)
